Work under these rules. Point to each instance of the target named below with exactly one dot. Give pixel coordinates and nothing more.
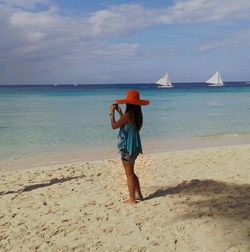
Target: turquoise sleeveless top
(129, 138)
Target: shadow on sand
(210, 197)
(29, 188)
(227, 204)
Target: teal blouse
(129, 138)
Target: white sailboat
(164, 82)
(215, 80)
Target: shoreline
(78, 207)
(78, 155)
(117, 157)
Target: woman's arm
(124, 118)
(119, 110)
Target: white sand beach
(195, 200)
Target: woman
(129, 142)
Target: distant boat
(247, 82)
(215, 80)
(164, 82)
(55, 85)
(75, 85)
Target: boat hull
(215, 85)
(165, 86)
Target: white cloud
(119, 21)
(42, 46)
(234, 40)
(24, 4)
(29, 20)
(36, 42)
(189, 11)
(124, 20)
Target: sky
(102, 42)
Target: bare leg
(129, 170)
(138, 188)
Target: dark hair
(136, 115)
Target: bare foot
(129, 201)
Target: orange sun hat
(133, 97)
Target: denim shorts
(128, 158)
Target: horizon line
(142, 83)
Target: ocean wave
(3, 127)
(215, 104)
(214, 114)
(225, 135)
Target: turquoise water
(37, 119)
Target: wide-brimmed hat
(133, 97)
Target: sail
(215, 79)
(164, 81)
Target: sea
(51, 124)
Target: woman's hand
(119, 110)
(111, 109)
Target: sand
(195, 200)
